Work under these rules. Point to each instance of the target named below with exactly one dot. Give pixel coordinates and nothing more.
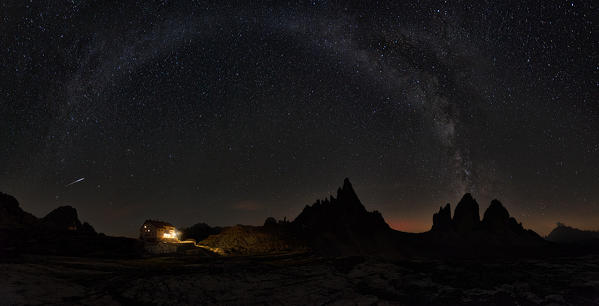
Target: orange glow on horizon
(411, 226)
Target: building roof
(157, 223)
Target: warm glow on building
(153, 230)
(170, 235)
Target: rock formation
(497, 220)
(442, 219)
(341, 225)
(566, 234)
(497, 227)
(62, 218)
(337, 225)
(11, 214)
(60, 233)
(345, 212)
(466, 217)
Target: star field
(193, 112)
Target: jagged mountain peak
(496, 213)
(342, 225)
(496, 226)
(466, 216)
(442, 219)
(346, 208)
(346, 193)
(347, 185)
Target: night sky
(190, 112)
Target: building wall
(149, 232)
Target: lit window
(170, 235)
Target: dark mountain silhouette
(199, 231)
(65, 218)
(496, 217)
(466, 216)
(442, 219)
(497, 220)
(338, 225)
(62, 218)
(344, 213)
(60, 232)
(11, 214)
(343, 225)
(465, 230)
(566, 234)
(334, 226)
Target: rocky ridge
(567, 234)
(342, 225)
(60, 232)
(497, 226)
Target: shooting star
(74, 182)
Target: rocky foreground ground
(298, 280)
